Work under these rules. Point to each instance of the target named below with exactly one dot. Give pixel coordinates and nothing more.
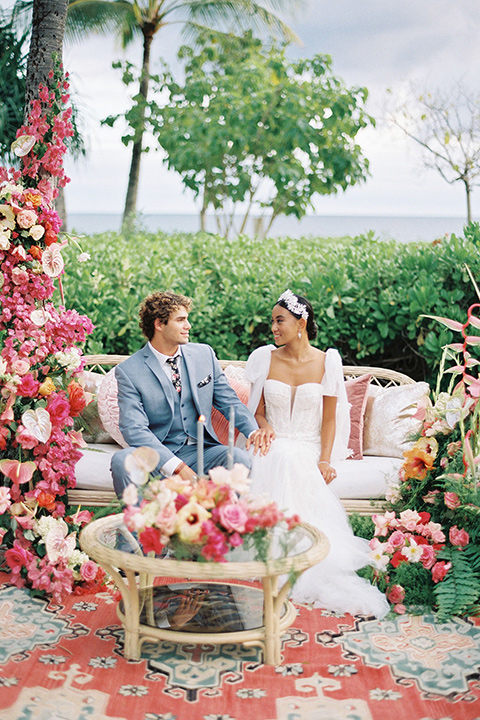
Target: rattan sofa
(360, 484)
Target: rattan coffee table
(208, 609)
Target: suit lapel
(154, 366)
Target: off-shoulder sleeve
(334, 386)
(256, 372)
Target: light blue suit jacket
(146, 397)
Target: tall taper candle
(200, 422)
(231, 438)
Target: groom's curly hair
(160, 305)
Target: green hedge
(367, 294)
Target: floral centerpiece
(39, 362)
(200, 519)
(426, 547)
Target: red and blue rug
(65, 662)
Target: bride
(298, 397)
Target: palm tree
(133, 18)
(46, 42)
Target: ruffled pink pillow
(108, 407)
(220, 424)
(357, 394)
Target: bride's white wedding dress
(289, 475)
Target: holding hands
(261, 440)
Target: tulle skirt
(289, 475)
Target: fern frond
(460, 589)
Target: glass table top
(280, 544)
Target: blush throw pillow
(389, 421)
(357, 394)
(108, 407)
(235, 377)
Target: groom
(164, 388)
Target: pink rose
(399, 609)
(19, 276)
(58, 408)
(396, 594)
(396, 539)
(20, 367)
(457, 537)
(439, 570)
(451, 500)
(235, 539)
(26, 218)
(17, 557)
(28, 386)
(428, 557)
(88, 571)
(409, 519)
(24, 439)
(233, 517)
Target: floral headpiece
(293, 304)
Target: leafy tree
(13, 69)
(446, 125)
(146, 18)
(249, 126)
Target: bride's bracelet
(325, 462)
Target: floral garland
(426, 548)
(39, 363)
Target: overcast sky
(373, 43)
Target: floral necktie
(177, 383)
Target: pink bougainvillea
(39, 360)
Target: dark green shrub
(368, 294)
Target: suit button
(185, 418)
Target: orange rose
(76, 398)
(34, 198)
(46, 500)
(35, 252)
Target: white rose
(37, 232)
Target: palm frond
(101, 17)
(235, 16)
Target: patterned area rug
(66, 663)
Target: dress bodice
(294, 412)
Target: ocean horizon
(401, 228)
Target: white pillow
(389, 421)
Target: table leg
(272, 655)
(131, 612)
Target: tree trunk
(134, 175)
(48, 26)
(468, 190)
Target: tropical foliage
(13, 69)
(367, 294)
(427, 546)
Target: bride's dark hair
(311, 328)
